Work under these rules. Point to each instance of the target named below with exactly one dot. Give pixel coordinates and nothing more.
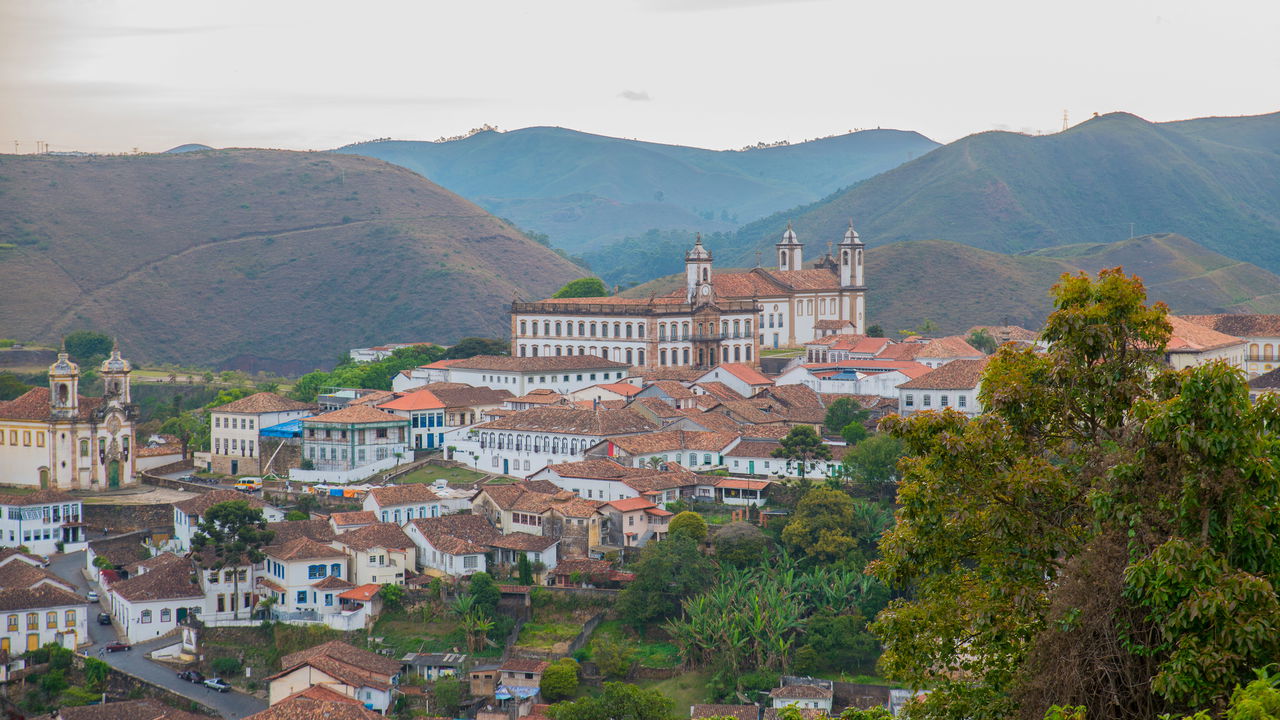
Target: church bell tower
(790, 251)
(851, 258)
(115, 377)
(64, 387)
(697, 272)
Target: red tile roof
(952, 346)
(672, 440)
(575, 421)
(302, 548)
(302, 707)
(355, 415)
(378, 535)
(200, 504)
(745, 373)
(416, 400)
(630, 504)
(623, 389)
(1190, 337)
(364, 593)
(34, 405)
(359, 517)
(955, 375)
(263, 402)
(407, 494)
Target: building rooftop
(355, 415)
(505, 363)
(263, 402)
(574, 421)
(955, 375)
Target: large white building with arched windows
(716, 318)
(56, 438)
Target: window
(961, 400)
(13, 623)
(470, 562)
(328, 599)
(945, 401)
(166, 615)
(301, 598)
(145, 617)
(71, 618)
(39, 439)
(910, 401)
(927, 399)
(84, 448)
(336, 570)
(51, 619)
(33, 621)
(315, 572)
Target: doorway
(113, 474)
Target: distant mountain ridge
(254, 259)
(581, 188)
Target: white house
(605, 479)
(401, 503)
(305, 577)
(1192, 344)
(37, 616)
(233, 430)
(693, 449)
(156, 598)
(434, 410)
(954, 385)
(805, 697)
(188, 514)
(854, 377)
(379, 554)
(940, 351)
(366, 677)
(436, 372)
(742, 379)
(455, 545)
(41, 521)
(520, 375)
(525, 442)
(755, 457)
(352, 443)
(1261, 332)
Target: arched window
(700, 363)
(557, 351)
(782, 262)
(1266, 352)
(617, 329)
(582, 350)
(146, 617)
(546, 327)
(166, 615)
(662, 356)
(84, 448)
(747, 326)
(844, 257)
(1253, 351)
(568, 329)
(523, 329)
(628, 356)
(555, 445)
(558, 328)
(640, 357)
(582, 329)
(748, 358)
(500, 443)
(640, 330)
(662, 331)
(521, 351)
(686, 356)
(519, 444)
(685, 331)
(593, 329)
(336, 570)
(737, 354)
(534, 325)
(628, 329)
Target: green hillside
(253, 258)
(1214, 179)
(582, 189)
(957, 286)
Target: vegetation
(802, 446)
(231, 534)
(689, 524)
(842, 413)
(668, 571)
(11, 387)
(378, 375)
(582, 288)
(1128, 564)
(560, 680)
(87, 347)
(982, 340)
(618, 701)
(448, 695)
(740, 544)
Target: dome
(851, 235)
(115, 363)
(698, 252)
(64, 366)
(789, 237)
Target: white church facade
(56, 438)
(716, 318)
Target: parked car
(217, 684)
(249, 484)
(93, 596)
(118, 646)
(191, 676)
(104, 619)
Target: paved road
(232, 705)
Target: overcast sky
(112, 75)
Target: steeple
(697, 270)
(115, 375)
(851, 257)
(64, 386)
(790, 251)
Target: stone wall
(288, 457)
(128, 518)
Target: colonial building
(525, 442)
(42, 521)
(354, 437)
(1261, 332)
(522, 375)
(954, 385)
(234, 428)
(435, 409)
(351, 672)
(54, 437)
(716, 318)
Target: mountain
(189, 147)
(581, 189)
(958, 286)
(1213, 179)
(254, 259)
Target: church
(56, 438)
(715, 318)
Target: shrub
(560, 680)
(689, 523)
(226, 665)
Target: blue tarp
(506, 692)
(286, 429)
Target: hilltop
(583, 189)
(253, 259)
(957, 286)
(1214, 179)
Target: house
(536, 398)
(525, 442)
(877, 376)
(339, 398)
(755, 457)
(434, 410)
(605, 392)
(160, 450)
(131, 709)
(366, 677)
(38, 615)
(742, 379)
(804, 697)
(741, 491)
(53, 437)
(519, 672)
(433, 666)
(117, 551)
(576, 572)
(160, 593)
(343, 521)
(738, 712)
(635, 522)
(835, 347)
(1192, 344)
(23, 570)
(940, 351)
(352, 444)
(954, 385)
(316, 702)
(668, 391)
(45, 522)
(188, 514)
(380, 554)
(521, 375)
(692, 449)
(401, 503)
(483, 680)
(305, 577)
(436, 372)
(234, 427)
(602, 479)
(454, 545)
(1261, 332)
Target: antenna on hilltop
(1065, 123)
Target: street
(232, 705)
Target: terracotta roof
(674, 476)
(302, 548)
(1190, 337)
(34, 405)
(332, 582)
(350, 664)
(594, 470)
(461, 395)
(679, 373)
(832, 324)
(355, 414)
(1013, 333)
(623, 389)
(955, 375)
(359, 517)
(364, 593)
(630, 504)
(713, 421)
(307, 708)
(572, 421)
(39, 497)
(121, 549)
(742, 484)
(11, 555)
(171, 580)
(659, 407)
(406, 494)
(851, 342)
(263, 402)
(157, 450)
(757, 411)
(457, 534)
(317, 529)
(672, 440)
(131, 709)
(952, 346)
(741, 712)
(745, 373)
(523, 541)
(541, 396)
(320, 692)
(588, 567)
(265, 582)
(505, 363)
(41, 596)
(575, 507)
(675, 390)
(201, 503)
(754, 449)
(373, 398)
(901, 351)
(800, 692)
(383, 535)
(720, 391)
(1239, 324)
(518, 497)
(1266, 381)
(416, 400)
(523, 665)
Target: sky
(115, 75)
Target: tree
(11, 387)
(853, 433)
(581, 288)
(803, 446)
(95, 673)
(484, 591)
(873, 462)
(842, 412)
(875, 331)
(619, 701)
(296, 515)
(88, 347)
(1102, 536)
(689, 524)
(982, 340)
(740, 544)
(231, 534)
(191, 430)
(448, 695)
(667, 572)
(612, 657)
(822, 526)
(392, 596)
(560, 680)
(525, 570)
(471, 347)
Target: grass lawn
(406, 633)
(649, 654)
(431, 473)
(860, 679)
(545, 635)
(684, 689)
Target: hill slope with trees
(254, 259)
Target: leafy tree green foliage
(689, 524)
(560, 680)
(802, 446)
(872, 464)
(485, 593)
(11, 387)
(875, 331)
(830, 527)
(87, 347)
(854, 433)
(582, 288)
(192, 430)
(739, 544)
(371, 375)
(226, 665)
(295, 515)
(982, 340)
(1105, 512)
(842, 412)
(448, 695)
(231, 534)
(392, 596)
(525, 570)
(668, 572)
(612, 657)
(473, 346)
(619, 701)
(95, 673)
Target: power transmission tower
(1065, 124)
